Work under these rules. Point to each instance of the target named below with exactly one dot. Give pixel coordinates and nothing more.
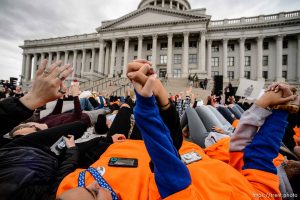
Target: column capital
(170, 35)
(209, 41)
(66, 51)
(101, 40)
(75, 51)
(155, 36)
(186, 34)
(114, 39)
(126, 38)
(242, 40)
(260, 37)
(225, 40)
(140, 37)
(203, 32)
(280, 37)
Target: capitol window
(149, 57)
(266, 45)
(265, 74)
(284, 74)
(230, 47)
(284, 59)
(164, 46)
(177, 59)
(230, 75)
(265, 60)
(247, 61)
(163, 59)
(285, 44)
(248, 46)
(230, 61)
(192, 58)
(215, 48)
(178, 45)
(149, 47)
(215, 61)
(247, 74)
(193, 44)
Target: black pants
(121, 123)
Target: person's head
(25, 129)
(18, 89)
(211, 100)
(90, 192)
(231, 99)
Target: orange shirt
(211, 178)
(297, 134)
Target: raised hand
(48, 85)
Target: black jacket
(29, 172)
(12, 113)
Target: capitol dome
(171, 4)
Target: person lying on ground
(47, 86)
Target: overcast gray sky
(36, 19)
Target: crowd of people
(176, 147)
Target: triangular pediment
(151, 16)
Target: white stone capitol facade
(179, 41)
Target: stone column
(154, 49)
(185, 54)
(57, 56)
(298, 60)
(101, 57)
(28, 67)
(74, 63)
(163, 3)
(260, 41)
(126, 50)
(107, 50)
(66, 57)
(225, 59)
(209, 43)
(171, 4)
(112, 57)
(93, 60)
(279, 40)
(178, 6)
(83, 61)
(140, 47)
(49, 59)
(170, 53)
(42, 56)
(34, 64)
(242, 58)
(23, 67)
(201, 52)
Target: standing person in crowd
(205, 84)
(229, 91)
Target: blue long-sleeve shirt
(266, 143)
(171, 174)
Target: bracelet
(165, 105)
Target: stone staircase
(180, 85)
(117, 86)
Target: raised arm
(171, 175)
(47, 86)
